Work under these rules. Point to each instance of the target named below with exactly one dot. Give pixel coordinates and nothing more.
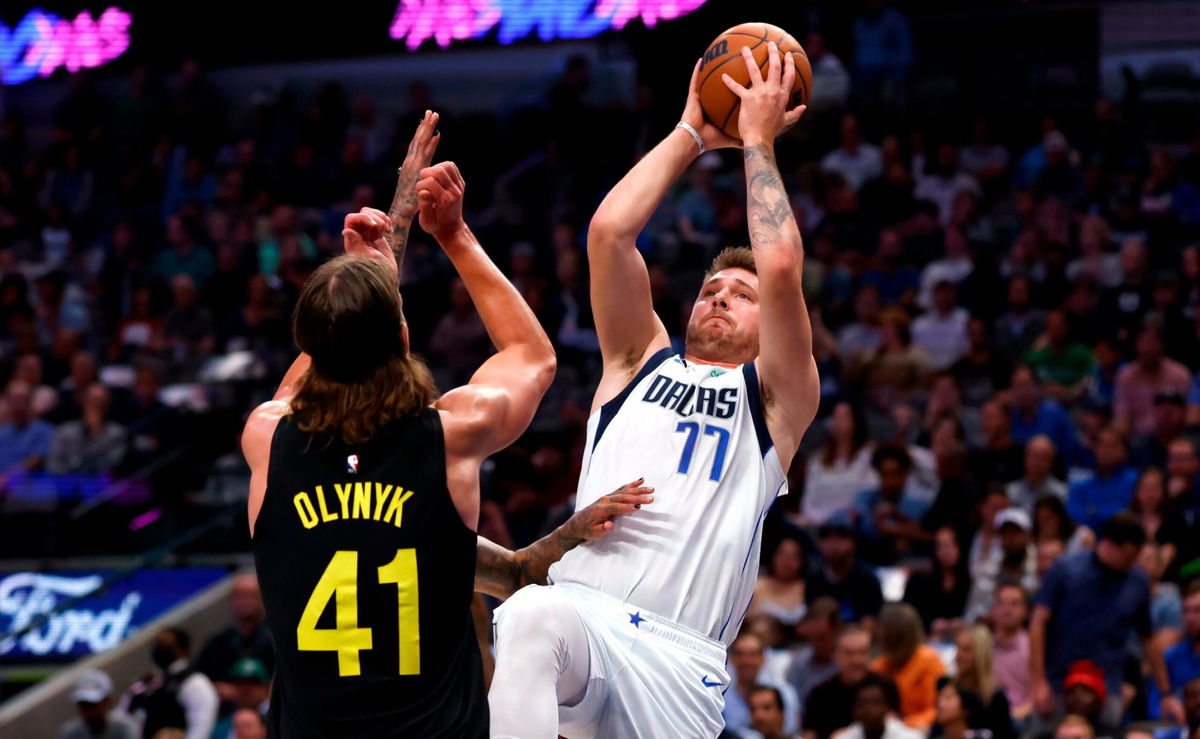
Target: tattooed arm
(404, 203)
(787, 369)
(500, 572)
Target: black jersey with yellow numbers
(367, 573)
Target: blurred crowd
(992, 523)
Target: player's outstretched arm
(500, 572)
(498, 404)
(627, 327)
(787, 369)
(404, 203)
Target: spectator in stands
(883, 55)
(1074, 727)
(93, 445)
(858, 340)
(940, 596)
(73, 389)
(898, 371)
(1191, 702)
(816, 661)
(842, 576)
(188, 330)
(1085, 694)
(876, 712)
(983, 159)
(1170, 422)
(1051, 522)
(1157, 514)
(1038, 480)
(831, 81)
(459, 340)
(1000, 459)
(29, 370)
(1166, 606)
(247, 638)
(1183, 474)
(912, 664)
(1108, 490)
(1074, 619)
(93, 697)
(184, 255)
(943, 181)
(779, 592)
(1021, 324)
(1016, 561)
(942, 331)
(1183, 657)
(959, 713)
(24, 440)
(747, 659)
(855, 160)
(973, 660)
(841, 469)
(1010, 648)
(1033, 414)
(251, 690)
(176, 696)
(1140, 381)
(983, 371)
(954, 267)
(830, 704)
(249, 724)
(766, 715)
(889, 516)
(1062, 365)
(897, 282)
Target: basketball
(724, 55)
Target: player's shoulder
(467, 413)
(260, 427)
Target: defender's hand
(420, 153)
(595, 521)
(364, 234)
(764, 111)
(439, 199)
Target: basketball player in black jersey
(365, 487)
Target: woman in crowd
(1153, 508)
(841, 468)
(959, 713)
(1052, 522)
(940, 596)
(910, 662)
(973, 662)
(780, 590)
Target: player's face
(724, 323)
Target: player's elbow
(544, 366)
(606, 230)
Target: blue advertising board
(96, 623)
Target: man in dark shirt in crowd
(842, 577)
(1088, 607)
(248, 637)
(830, 704)
(1000, 459)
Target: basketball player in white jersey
(629, 638)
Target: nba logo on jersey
(352, 464)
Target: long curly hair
(350, 320)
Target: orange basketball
(724, 55)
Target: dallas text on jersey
(677, 396)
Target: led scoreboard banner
(446, 21)
(42, 43)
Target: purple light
(144, 520)
(446, 21)
(43, 42)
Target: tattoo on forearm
(402, 212)
(533, 562)
(495, 566)
(770, 213)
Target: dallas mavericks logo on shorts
(352, 464)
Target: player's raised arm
(628, 329)
(497, 405)
(788, 372)
(500, 572)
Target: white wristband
(688, 127)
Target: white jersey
(698, 434)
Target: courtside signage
(98, 622)
(447, 21)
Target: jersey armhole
(757, 413)
(608, 411)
